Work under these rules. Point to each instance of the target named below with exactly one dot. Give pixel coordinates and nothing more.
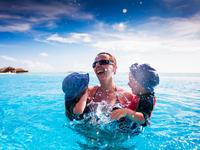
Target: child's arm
(81, 104)
(133, 115)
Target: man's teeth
(99, 71)
(102, 71)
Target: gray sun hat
(145, 75)
(74, 84)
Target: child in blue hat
(142, 80)
(75, 88)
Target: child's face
(136, 88)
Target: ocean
(32, 115)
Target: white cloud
(169, 44)
(119, 27)
(28, 64)
(186, 6)
(7, 16)
(128, 42)
(15, 27)
(43, 54)
(81, 37)
(141, 44)
(172, 35)
(56, 37)
(74, 38)
(9, 58)
(177, 27)
(74, 67)
(37, 66)
(38, 13)
(52, 11)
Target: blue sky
(66, 35)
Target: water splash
(100, 113)
(99, 130)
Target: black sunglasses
(102, 62)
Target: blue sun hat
(74, 84)
(145, 75)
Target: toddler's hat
(145, 75)
(74, 84)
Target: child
(75, 88)
(142, 80)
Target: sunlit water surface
(32, 116)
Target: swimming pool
(32, 114)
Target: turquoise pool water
(32, 115)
